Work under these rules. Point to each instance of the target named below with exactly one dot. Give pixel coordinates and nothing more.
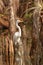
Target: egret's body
(19, 51)
(17, 34)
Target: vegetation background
(31, 12)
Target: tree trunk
(37, 51)
(13, 10)
(27, 45)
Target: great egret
(17, 35)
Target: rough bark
(26, 44)
(41, 35)
(13, 11)
(1, 6)
(37, 51)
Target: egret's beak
(19, 20)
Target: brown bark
(1, 6)
(37, 51)
(13, 11)
(27, 45)
(4, 23)
(11, 52)
(6, 52)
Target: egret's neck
(19, 29)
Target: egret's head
(19, 20)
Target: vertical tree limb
(36, 30)
(13, 10)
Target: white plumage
(17, 35)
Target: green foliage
(28, 15)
